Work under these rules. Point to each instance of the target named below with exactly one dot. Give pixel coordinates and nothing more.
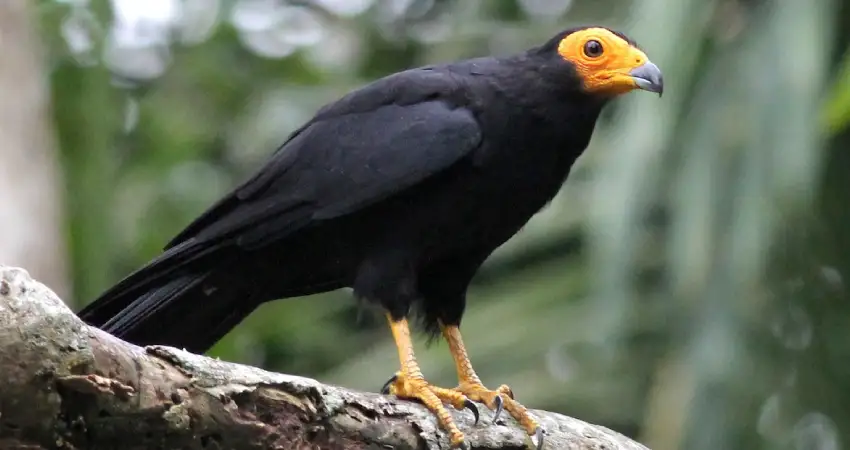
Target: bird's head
(606, 62)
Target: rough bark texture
(66, 385)
(30, 179)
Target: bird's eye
(592, 48)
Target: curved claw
(499, 408)
(537, 439)
(471, 406)
(385, 389)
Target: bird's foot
(502, 399)
(433, 398)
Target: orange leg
(471, 387)
(409, 383)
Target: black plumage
(400, 189)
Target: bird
(398, 190)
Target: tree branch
(66, 385)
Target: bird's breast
(500, 191)
(524, 157)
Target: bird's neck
(531, 87)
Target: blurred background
(686, 288)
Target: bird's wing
(339, 165)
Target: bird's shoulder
(452, 83)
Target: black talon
(385, 389)
(471, 406)
(537, 439)
(499, 406)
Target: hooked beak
(648, 77)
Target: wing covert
(338, 166)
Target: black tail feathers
(191, 311)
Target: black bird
(400, 190)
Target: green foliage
(837, 109)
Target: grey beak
(648, 77)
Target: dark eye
(592, 48)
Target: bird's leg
(409, 383)
(470, 386)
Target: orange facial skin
(609, 64)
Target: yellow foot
(503, 399)
(433, 398)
